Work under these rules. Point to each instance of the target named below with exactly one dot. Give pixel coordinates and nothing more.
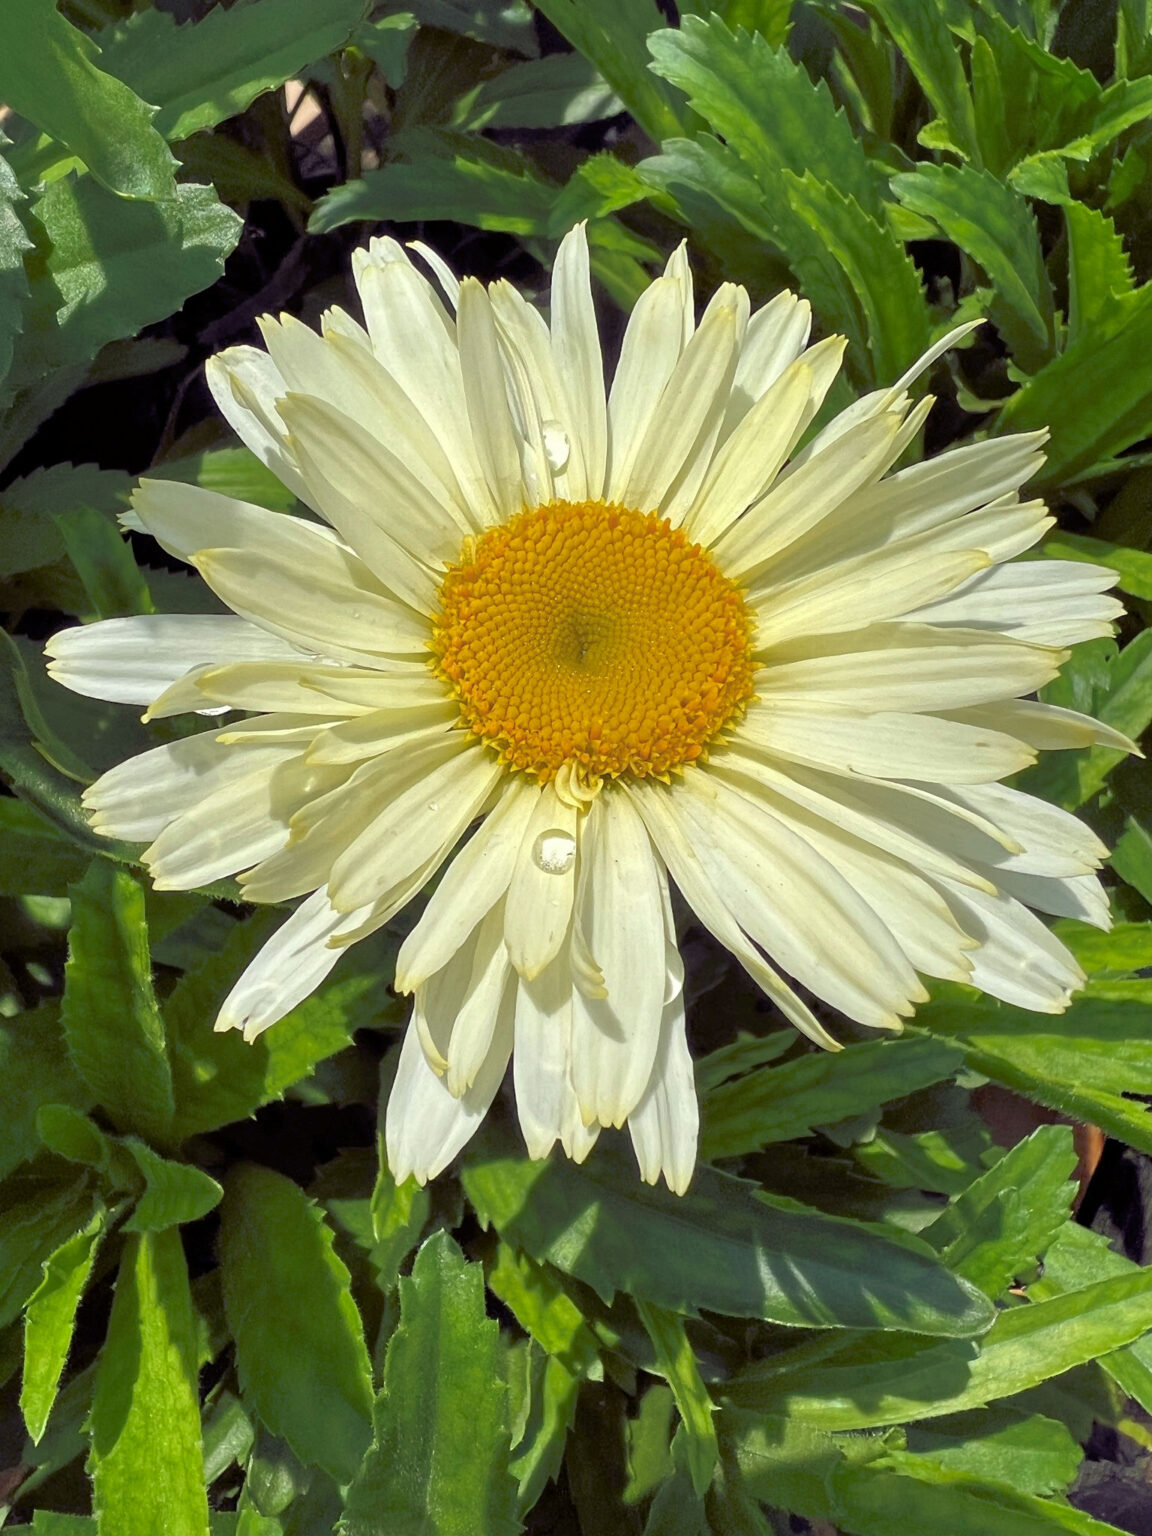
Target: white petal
(775, 338)
(486, 397)
(1049, 602)
(1045, 726)
(1079, 896)
(1048, 841)
(540, 1058)
(543, 886)
(133, 660)
(576, 348)
(234, 827)
(425, 1125)
(620, 912)
(1018, 960)
(246, 385)
(289, 968)
(653, 342)
(473, 883)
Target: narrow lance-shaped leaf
(721, 1247)
(676, 1362)
(300, 1349)
(439, 1460)
(111, 1018)
(146, 1459)
(50, 1318)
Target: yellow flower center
(590, 635)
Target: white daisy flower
(573, 647)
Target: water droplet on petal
(556, 445)
(554, 852)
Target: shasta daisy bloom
(568, 648)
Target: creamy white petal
(906, 667)
(886, 745)
(133, 660)
(382, 730)
(419, 821)
(541, 1055)
(1079, 896)
(1045, 726)
(1050, 602)
(289, 968)
(234, 827)
(775, 338)
(477, 878)
(576, 348)
(620, 910)
(425, 1126)
(1018, 959)
(486, 397)
(1048, 841)
(653, 342)
(543, 885)
(665, 1125)
(490, 991)
(246, 385)
(710, 905)
(294, 687)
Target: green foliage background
(217, 1311)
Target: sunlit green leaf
(50, 1319)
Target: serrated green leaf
(501, 23)
(205, 71)
(50, 1319)
(49, 74)
(545, 1311)
(29, 508)
(676, 1362)
(922, 34)
(146, 1459)
(1099, 273)
(1132, 857)
(219, 1078)
(720, 1247)
(443, 176)
(776, 1103)
(438, 1464)
(875, 1379)
(994, 226)
(398, 1213)
(766, 108)
(111, 1020)
(613, 35)
(558, 91)
(174, 1193)
(40, 1214)
(1034, 1454)
(303, 1363)
(994, 1233)
(14, 242)
(34, 1070)
(1096, 397)
(106, 268)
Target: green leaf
(1132, 857)
(777, 1103)
(50, 1319)
(504, 24)
(443, 176)
(233, 472)
(105, 268)
(875, 1379)
(1087, 1062)
(1031, 1453)
(545, 1311)
(1099, 273)
(174, 1193)
(105, 564)
(398, 1213)
(1003, 1222)
(1133, 567)
(438, 1464)
(922, 34)
(146, 1460)
(303, 1364)
(1096, 396)
(220, 1078)
(29, 508)
(14, 242)
(111, 1019)
(676, 1362)
(34, 1070)
(558, 91)
(539, 1453)
(994, 226)
(721, 1247)
(203, 72)
(766, 108)
(614, 35)
(40, 1215)
(48, 74)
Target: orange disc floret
(593, 635)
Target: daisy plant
(568, 650)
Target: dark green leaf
(14, 242)
(39, 1217)
(557, 91)
(303, 1363)
(719, 1248)
(1099, 273)
(50, 1319)
(439, 1461)
(775, 1103)
(146, 1461)
(676, 1362)
(34, 1070)
(614, 35)
(29, 508)
(201, 73)
(111, 1020)
(922, 34)
(1031, 1453)
(48, 74)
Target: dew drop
(556, 445)
(554, 852)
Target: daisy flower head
(568, 647)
